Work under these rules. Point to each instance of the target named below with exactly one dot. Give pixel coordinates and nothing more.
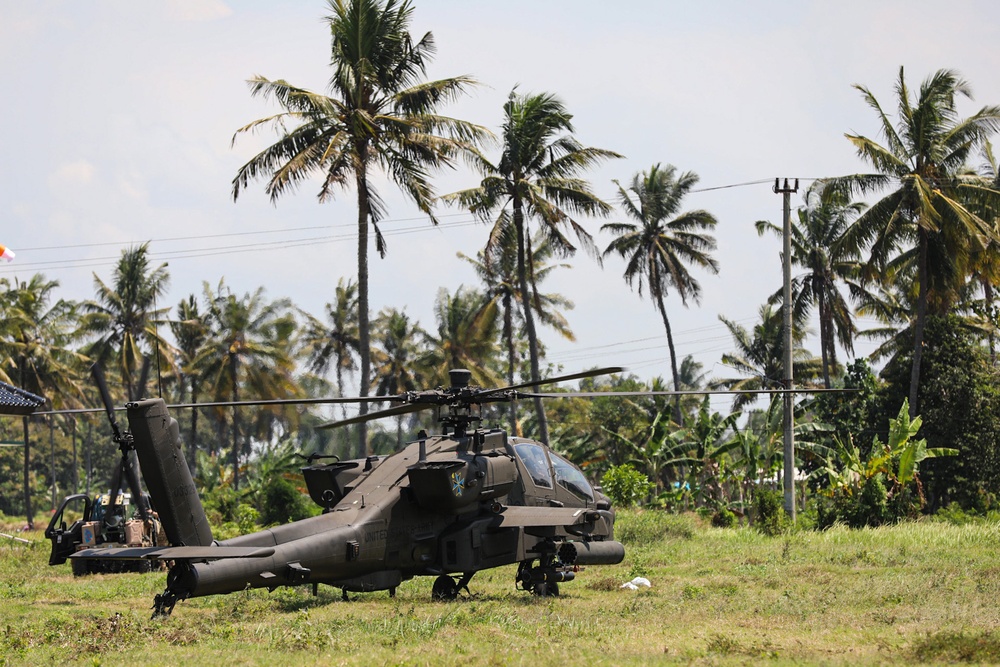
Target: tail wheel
(445, 588)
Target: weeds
(650, 527)
(917, 592)
(980, 647)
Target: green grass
(917, 593)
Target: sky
(118, 122)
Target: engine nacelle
(453, 484)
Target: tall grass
(915, 593)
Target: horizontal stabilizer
(519, 516)
(174, 553)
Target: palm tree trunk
(364, 337)
(508, 336)
(193, 444)
(27, 484)
(988, 297)
(52, 459)
(76, 466)
(825, 326)
(236, 428)
(88, 456)
(529, 318)
(673, 357)
(921, 321)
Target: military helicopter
(446, 505)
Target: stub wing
(529, 517)
(174, 553)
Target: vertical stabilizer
(157, 443)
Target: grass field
(918, 593)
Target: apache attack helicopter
(446, 506)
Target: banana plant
(898, 459)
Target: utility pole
(786, 420)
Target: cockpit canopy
(544, 466)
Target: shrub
(626, 486)
(769, 511)
(872, 506)
(281, 502)
(724, 518)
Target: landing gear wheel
(546, 589)
(445, 588)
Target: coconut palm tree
(498, 273)
(818, 247)
(396, 356)
(36, 352)
(759, 356)
(466, 337)
(247, 355)
(124, 318)
(335, 342)
(986, 261)
(379, 115)
(662, 243)
(927, 209)
(190, 331)
(36, 341)
(536, 178)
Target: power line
(230, 234)
(228, 249)
(352, 224)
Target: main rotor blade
(379, 414)
(227, 404)
(685, 392)
(288, 401)
(552, 380)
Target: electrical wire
(467, 221)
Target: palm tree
(247, 355)
(986, 262)
(818, 247)
(466, 338)
(124, 317)
(396, 357)
(379, 114)
(663, 243)
(893, 305)
(336, 341)
(35, 352)
(498, 273)
(190, 331)
(927, 212)
(759, 356)
(536, 178)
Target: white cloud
(71, 174)
(197, 10)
